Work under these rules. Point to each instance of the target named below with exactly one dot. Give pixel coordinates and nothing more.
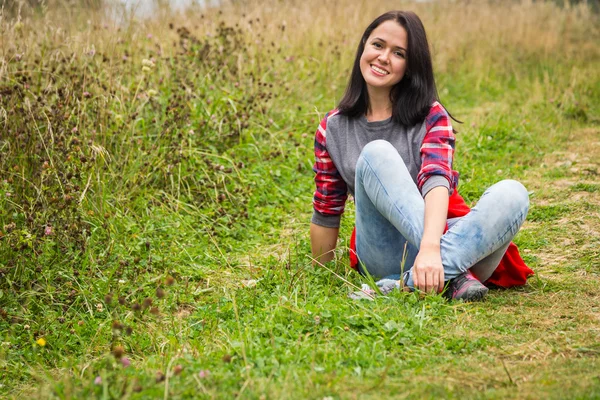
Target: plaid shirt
(437, 152)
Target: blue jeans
(390, 214)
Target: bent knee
(377, 147)
(514, 195)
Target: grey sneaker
(466, 287)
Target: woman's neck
(380, 106)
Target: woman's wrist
(430, 245)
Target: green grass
(161, 210)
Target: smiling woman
(391, 144)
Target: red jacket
(511, 271)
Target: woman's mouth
(379, 71)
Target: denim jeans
(390, 214)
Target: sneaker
(466, 287)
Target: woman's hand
(428, 271)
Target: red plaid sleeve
(437, 150)
(331, 190)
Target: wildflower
(170, 280)
(227, 358)
(48, 230)
(87, 94)
(148, 63)
(99, 307)
(177, 369)
(149, 36)
(203, 373)
(41, 342)
(126, 362)
(18, 26)
(317, 319)
(160, 377)
(26, 327)
(152, 93)
(74, 130)
(160, 293)
(146, 70)
(98, 380)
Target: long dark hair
(413, 95)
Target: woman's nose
(383, 57)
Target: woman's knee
(379, 152)
(377, 148)
(513, 195)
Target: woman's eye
(377, 45)
(399, 54)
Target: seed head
(117, 326)
(147, 302)
(118, 352)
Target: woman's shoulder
(330, 114)
(437, 114)
(323, 124)
(436, 109)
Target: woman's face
(383, 61)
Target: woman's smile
(379, 70)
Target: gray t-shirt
(346, 138)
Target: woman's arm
(428, 271)
(323, 241)
(329, 199)
(436, 179)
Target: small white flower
(148, 63)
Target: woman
(391, 143)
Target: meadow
(156, 191)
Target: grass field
(155, 198)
